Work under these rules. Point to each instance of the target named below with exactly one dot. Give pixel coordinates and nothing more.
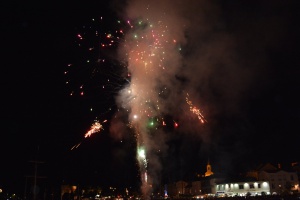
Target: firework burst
(134, 65)
(95, 128)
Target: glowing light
(141, 153)
(176, 124)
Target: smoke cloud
(195, 48)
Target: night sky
(241, 57)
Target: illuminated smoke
(153, 52)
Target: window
(241, 187)
(273, 186)
(258, 185)
(251, 186)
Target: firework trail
(195, 110)
(95, 128)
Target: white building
(280, 180)
(243, 188)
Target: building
(67, 192)
(282, 180)
(256, 188)
(266, 179)
(196, 188)
(176, 189)
(202, 185)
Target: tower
(208, 170)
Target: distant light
(176, 125)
